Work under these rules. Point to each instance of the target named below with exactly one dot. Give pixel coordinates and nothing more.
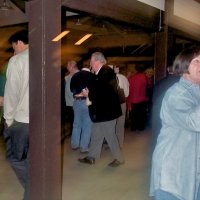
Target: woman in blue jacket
(176, 159)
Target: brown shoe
(115, 163)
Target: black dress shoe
(87, 160)
(115, 163)
(76, 148)
(83, 152)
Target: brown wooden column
(163, 44)
(171, 39)
(160, 63)
(45, 144)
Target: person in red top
(137, 99)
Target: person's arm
(12, 90)
(181, 110)
(126, 87)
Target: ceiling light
(61, 35)
(78, 23)
(83, 39)
(5, 5)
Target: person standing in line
(160, 89)
(16, 108)
(175, 163)
(149, 93)
(104, 109)
(69, 99)
(120, 124)
(82, 123)
(137, 99)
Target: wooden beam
(160, 58)
(129, 59)
(129, 11)
(116, 40)
(45, 130)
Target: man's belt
(79, 98)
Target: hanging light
(5, 6)
(78, 23)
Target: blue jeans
(162, 195)
(81, 132)
(17, 145)
(198, 193)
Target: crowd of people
(98, 100)
(100, 110)
(175, 110)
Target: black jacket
(80, 81)
(102, 93)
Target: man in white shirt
(72, 68)
(124, 84)
(16, 108)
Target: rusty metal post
(45, 143)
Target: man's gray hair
(100, 57)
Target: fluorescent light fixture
(83, 39)
(61, 35)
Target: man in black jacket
(104, 110)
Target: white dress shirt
(16, 97)
(123, 83)
(69, 99)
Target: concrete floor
(84, 182)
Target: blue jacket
(176, 159)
